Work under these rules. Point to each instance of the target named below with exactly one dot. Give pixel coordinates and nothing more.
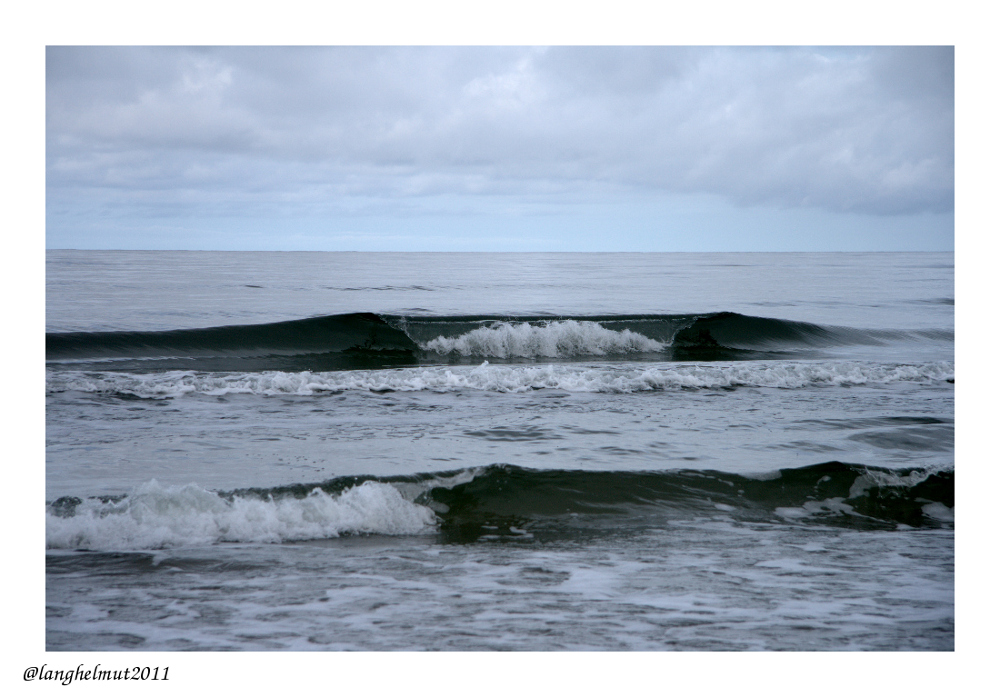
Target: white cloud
(858, 130)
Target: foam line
(505, 378)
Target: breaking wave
(366, 340)
(558, 339)
(154, 516)
(500, 502)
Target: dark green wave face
(336, 342)
(509, 503)
(369, 341)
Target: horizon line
(468, 251)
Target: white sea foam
(879, 479)
(505, 378)
(154, 516)
(829, 506)
(939, 511)
(564, 338)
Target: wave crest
(558, 339)
(154, 516)
(502, 502)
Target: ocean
(285, 451)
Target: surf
(502, 502)
(608, 378)
(366, 340)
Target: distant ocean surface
(380, 451)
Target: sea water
(354, 451)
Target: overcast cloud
(141, 138)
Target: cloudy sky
(500, 149)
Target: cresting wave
(503, 378)
(500, 502)
(568, 338)
(365, 340)
(154, 516)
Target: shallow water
(539, 452)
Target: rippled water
(156, 541)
